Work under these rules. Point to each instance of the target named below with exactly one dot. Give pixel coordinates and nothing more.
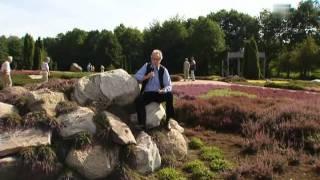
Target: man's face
(156, 59)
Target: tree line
(290, 41)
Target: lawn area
(21, 78)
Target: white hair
(157, 51)
(10, 58)
(47, 59)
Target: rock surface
(6, 109)
(46, 100)
(121, 133)
(171, 143)
(111, 87)
(95, 162)
(154, 114)
(75, 67)
(173, 124)
(145, 156)
(80, 120)
(13, 141)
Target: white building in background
(283, 9)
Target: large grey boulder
(121, 133)
(46, 100)
(95, 162)
(13, 141)
(111, 87)
(87, 90)
(6, 109)
(119, 86)
(171, 143)
(154, 114)
(145, 156)
(80, 120)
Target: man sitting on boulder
(156, 87)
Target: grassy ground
(22, 78)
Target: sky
(47, 18)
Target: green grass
(196, 143)
(220, 164)
(68, 75)
(198, 170)
(170, 174)
(226, 92)
(210, 153)
(22, 79)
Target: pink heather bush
(286, 120)
(196, 90)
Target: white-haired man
(6, 72)
(45, 71)
(156, 87)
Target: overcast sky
(50, 17)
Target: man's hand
(149, 75)
(161, 91)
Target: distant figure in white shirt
(45, 71)
(102, 68)
(186, 69)
(5, 72)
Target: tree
(28, 48)
(206, 42)
(109, 51)
(131, 41)
(3, 48)
(251, 65)
(237, 26)
(307, 57)
(38, 53)
(15, 46)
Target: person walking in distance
(186, 69)
(193, 67)
(6, 72)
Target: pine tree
(251, 69)
(28, 47)
(38, 54)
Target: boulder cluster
(93, 134)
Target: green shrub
(220, 164)
(82, 140)
(211, 153)
(195, 143)
(40, 158)
(284, 86)
(170, 174)
(198, 170)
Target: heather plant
(81, 140)
(41, 120)
(39, 159)
(65, 107)
(10, 121)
